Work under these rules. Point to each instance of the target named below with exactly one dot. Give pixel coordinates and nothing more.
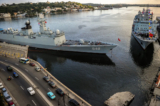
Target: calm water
(95, 78)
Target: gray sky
(88, 1)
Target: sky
(88, 1)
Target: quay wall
(13, 51)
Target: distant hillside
(91, 4)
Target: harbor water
(97, 77)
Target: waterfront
(95, 78)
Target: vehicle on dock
(9, 78)
(11, 103)
(24, 60)
(1, 85)
(74, 102)
(7, 97)
(9, 68)
(52, 84)
(37, 68)
(46, 78)
(32, 64)
(15, 74)
(4, 90)
(60, 92)
(51, 95)
(31, 91)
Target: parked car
(60, 92)
(37, 69)
(46, 78)
(31, 64)
(51, 95)
(31, 91)
(4, 90)
(9, 68)
(52, 84)
(7, 97)
(15, 74)
(11, 103)
(9, 78)
(1, 85)
(74, 102)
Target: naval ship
(47, 39)
(144, 28)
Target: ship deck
(76, 42)
(145, 38)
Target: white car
(1, 85)
(37, 69)
(7, 97)
(31, 91)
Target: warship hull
(46, 43)
(144, 43)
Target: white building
(6, 15)
(96, 8)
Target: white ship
(47, 39)
(144, 29)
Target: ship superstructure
(144, 28)
(47, 39)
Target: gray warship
(144, 28)
(49, 40)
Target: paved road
(37, 79)
(18, 88)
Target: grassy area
(1, 100)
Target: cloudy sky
(88, 1)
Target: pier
(154, 94)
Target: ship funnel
(57, 32)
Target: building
(48, 2)
(6, 15)
(58, 8)
(96, 8)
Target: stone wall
(13, 51)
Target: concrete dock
(155, 91)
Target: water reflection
(79, 57)
(7, 19)
(142, 58)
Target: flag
(119, 39)
(151, 35)
(45, 22)
(38, 23)
(150, 31)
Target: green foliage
(26, 7)
(1, 101)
